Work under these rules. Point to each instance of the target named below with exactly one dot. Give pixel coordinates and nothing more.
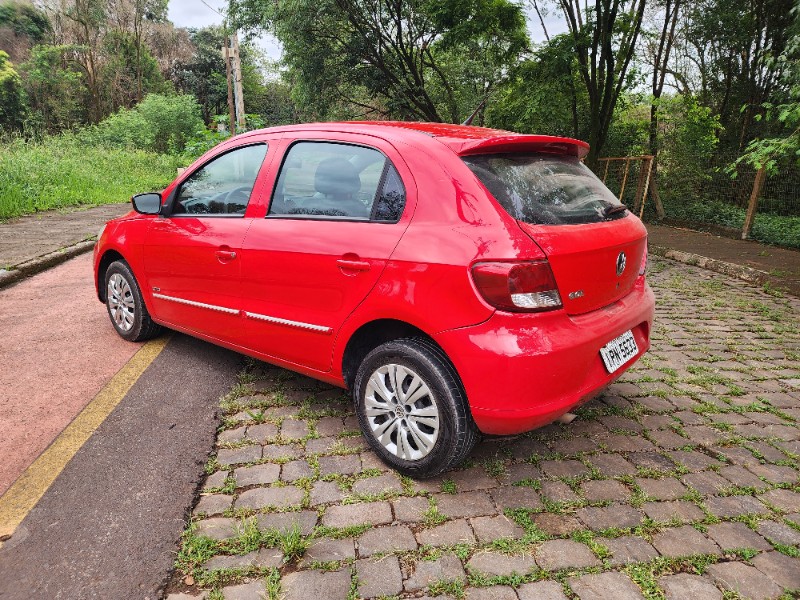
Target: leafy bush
(63, 171)
(158, 123)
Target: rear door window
(325, 180)
(545, 188)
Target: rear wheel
(125, 305)
(412, 408)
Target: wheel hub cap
(121, 304)
(402, 412)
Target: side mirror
(147, 204)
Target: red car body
(304, 294)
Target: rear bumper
(522, 371)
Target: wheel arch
(109, 256)
(372, 334)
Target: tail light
(643, 266)
(517, 286)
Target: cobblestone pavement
(680, 482)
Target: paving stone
(736, 454)
(741, 477)
(370, 460)
(262, 432)
(304, 520)
(447, 534)
(541, 590)
(732, 535)
(213, 504)
(296, 469)
(557, 525)
(744, 580)
(604, 586)
(235, 456)
(522, 472)
(783, 500)
(446, 568)
(628, 549)
(294, 429)
(282, 451)
(694, 460)
(734, 506)
(257, 475)
(783, 570)
(495, 564)
(706, 483)
(525, 448)
(651, 461)
(682, 510)
(326, 549)
(655, 403)
(325, 492)
(684, 586)
(383, 484)
(495, 592)
(558, 491)
(232, 435)
(616, 515)
(489, 529)
(658, 421)
(330, 426)
(573, 446)
(245, 591)
(612, 465)
(563, 468)
(410, 510)
(302, 585)
(182, 596)
(516, 496)
(280, 497)
(372, 513)
(565, 554)
(218, 528)
(466, 504)
(703, 434)
(628, 443)
(380, 577)
(395, 538)
(605, 489)
(668, 439)
(474, 478)
(779, 533)
(667, 488)
(347, 464)
(683, 541)
(215, 480)
(265, 557)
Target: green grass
(61, 171)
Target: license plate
(619, 351)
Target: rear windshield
(545, 188)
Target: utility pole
(236, 65)
(231, 111)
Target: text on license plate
(619, 351)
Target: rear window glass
(545, 189)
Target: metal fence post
(758, 184)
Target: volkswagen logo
(621, 261)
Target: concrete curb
(41, 263)
(742, 272)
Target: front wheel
(412, 408)
(125, 305)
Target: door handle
(225, 255)
(353, 265)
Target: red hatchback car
(457, 279)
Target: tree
(54, 86)
(604, 37)
(12, 97)
(22, 26)
(401, 58)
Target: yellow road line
(28, 489)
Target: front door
(193, 256)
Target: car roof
(461, 139)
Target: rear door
(333, 222)
(594, 246)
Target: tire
(125, 304)
(436, 426)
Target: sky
(196, 13)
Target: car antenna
(480, 106)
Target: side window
(331, 180)
(223, 186)
(392, 200)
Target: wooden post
(649, 161)
(758, 184)
(605, 173)
(624, 180)
(226, 54)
